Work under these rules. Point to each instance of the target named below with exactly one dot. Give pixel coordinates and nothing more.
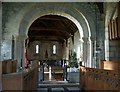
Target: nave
(60, 46)
(104, 78)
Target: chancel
(59, 46)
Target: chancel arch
(81, 24)
(48, 34)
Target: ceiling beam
(59, 18)
(69, 27)
(45, 38)
(53, 30)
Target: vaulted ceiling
(51, 28)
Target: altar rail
(99, 79)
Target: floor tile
(73, 88)
(57, 90)
(43, 89)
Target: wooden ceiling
(51, 28)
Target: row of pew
(9, 66)
(99, 79)
(110, 65)
(12, 79)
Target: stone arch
(71, 13)
(66, 11)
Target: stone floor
(58, 87)
(62, 88)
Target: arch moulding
(69, 12)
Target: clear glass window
(37, 49)
(54, 49)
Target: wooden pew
(25, 80)
(110, 65)
(35, 65)
(82, 77)
(9, 66)
(99, 79)
(12, 81)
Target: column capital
(92, 38)
(85, 39)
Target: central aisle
(58, 86)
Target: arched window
(37, 49)
(54, 49)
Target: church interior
(59, 46)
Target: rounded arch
(71, 13)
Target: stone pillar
(67, 50)
(0, 30)
(89, 53)
(64, 50)
(20, 50)
(93, 59)
(99, 51)
(85, 47)
(81, 52)
(0, 44)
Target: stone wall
(112, 46)
(45, 47)
(0, 46)
(12, 13)
(114, 50)
(16, 21)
